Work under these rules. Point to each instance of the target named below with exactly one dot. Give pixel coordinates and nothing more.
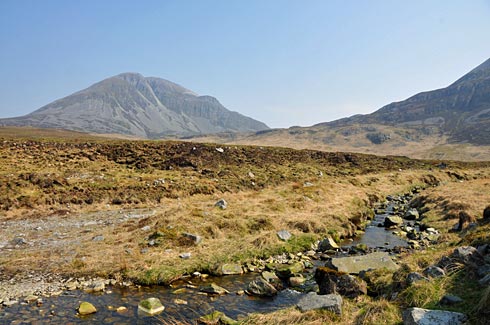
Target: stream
(62, 309)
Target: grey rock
(98, 238)
(185, 256)
(196, 239)
(19, 241)
(393, 221)
(284, 235)
(331, 281)
(357, 264)
(411, 214)
(146, 228)
(10, 303)
(262, 288)
(228, 269)
(420, 316)
(313, 301)
(415, 277)
(450, 300)
(434, 272)
(222, 204)
(327, 244)
(151, 306)
(467, 255)
(213, 288)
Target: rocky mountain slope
(145, 107)
(461, 110)
(448, 123)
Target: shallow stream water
(62, 309)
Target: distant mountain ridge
(461, 110)
(132, 104)
(447, 123)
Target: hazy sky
(282, 62)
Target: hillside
(131, 104)
(448, 123)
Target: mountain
(145, 107)
(447, 123)
(461, 110)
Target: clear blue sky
(282, 62)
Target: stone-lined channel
(62, 309)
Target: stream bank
(185, 302)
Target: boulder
(222, 204)
(331, 281)
(213, 288)
(467, 255)
(434, 272)
(296, 281)
(260, 287)
(284, 235)
(327, 244)
(86, 308)
(393, 221)
(273, 279)
(228, 269)
(411, 214)
(415, 277)
(285, 271)
(357, 264)
(312, 301)
(151, 306)
(420, 316)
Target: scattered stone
(467, 255)
(19, 241)
(393, 221)
(31, 298)
(420, 316)
(284, 235)
(311, 301)
(228, 269)
(151, 306)
(180, 302)
(434, 272)
(415, 277)
(221, 150)
(213, 288)
(86, 308)
(357, 264)
(411, 214)
(185, 256)
(273, 279)
(331, 281)
(260, 287)
(288, 270)
(327, 244)
(121, 309)
(146, 228)
(450, 300)
(251, 175)
(10, 303)
(98, 238)
(196, 239)
(296, 281)
(222, 204)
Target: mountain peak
(148, 107)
